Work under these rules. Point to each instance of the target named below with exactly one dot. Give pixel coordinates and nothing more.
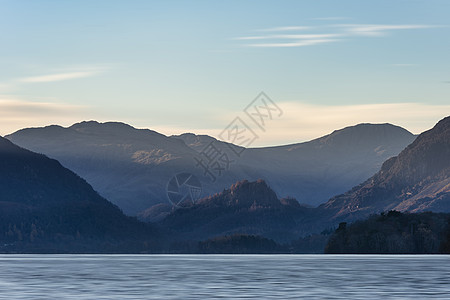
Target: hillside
(416, 180)
(127, 166)
(45, 207)
(313, 172)
(250, 208)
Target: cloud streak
(59, 76)
(328, 34)
(379, 30)
(330, 18)
(300, 43)
(290, 36)
(55, 76)
(286, 28)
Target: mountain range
(416, 180)
(45, 207)
(131, 167)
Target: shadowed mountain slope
(416, 180)
(45, 207)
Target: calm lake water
(224, 277)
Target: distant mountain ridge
(131, 167)
(121, 162)
(342, 159)
(416, 180)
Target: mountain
(416, 180)
(250, 208)
(128, 166)
(313, 172)
(132, 167)
(45, 207)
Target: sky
(194, 66)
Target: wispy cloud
(67, 73)
(291, 40)
(300, 43)
(286, 28)
(55, 75)
(323, 34)
(378, 30)
(330, 18)
(17, 112)
(290, 36)
(59, 76)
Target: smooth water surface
(224, 277)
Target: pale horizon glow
(300, 121)
(303, 122)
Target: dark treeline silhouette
(239, 244)
(249, 244)
(393, 233)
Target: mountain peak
(442, 125)
(383, 138)
(245, 194)
(248, 207)
(110, 128)
(90, 123)
(87, 125)
(366, 135)
(370, 130)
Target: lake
(224, 277)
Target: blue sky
(179, 66)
